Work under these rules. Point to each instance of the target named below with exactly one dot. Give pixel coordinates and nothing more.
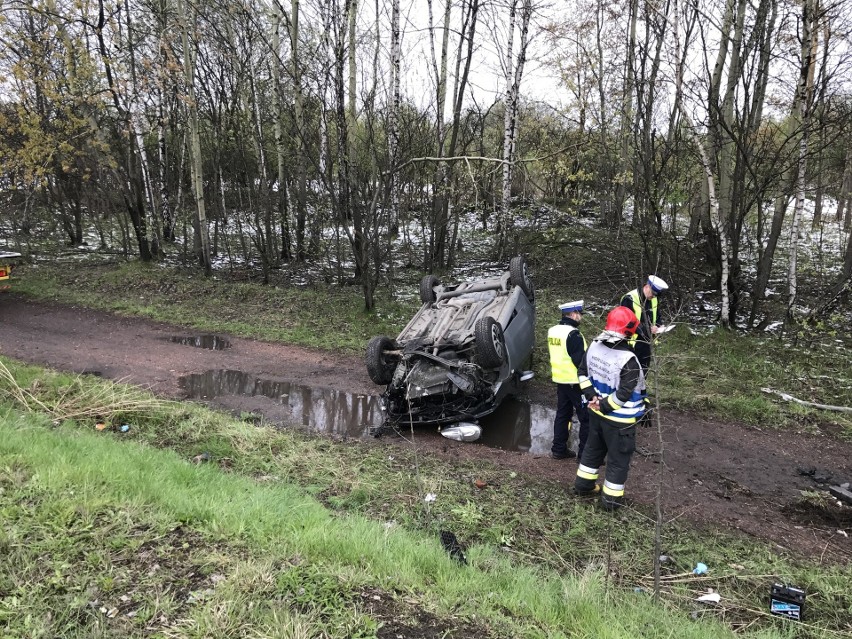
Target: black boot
(610, 502)
(568, 454)
(594, 490)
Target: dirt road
(714, 474)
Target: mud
(711, 472)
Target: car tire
(427, 289)
(490, 344)
(381, 366)
(519, 275)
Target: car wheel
(427, 289)
(380, 364)
(519, 275)
(490, 345)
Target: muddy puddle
(210, 342)
(516, 425)
(315, 409)
(519, 425)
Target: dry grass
(80, 399)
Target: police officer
(567, 347)
(643, 303)
(613, 382)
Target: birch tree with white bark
(202, 234)
(804, 97)
(513, 72)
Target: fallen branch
(790, 398)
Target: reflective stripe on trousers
(614, 490)
(587, 472)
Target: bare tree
(625, 165)
(280, 128)
(440, 253)
(804, 97)
(196, 165)
(513, 71)
(844, 201)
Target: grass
(716, 372)
(286, 535)
(727, 371)
(81, 479)
(294, 315)
(721, 373)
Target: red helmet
(622, 320)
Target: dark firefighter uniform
(611, 371)
(567, 346)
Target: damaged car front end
(461, 354)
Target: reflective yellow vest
(562, 369)
(638, 306)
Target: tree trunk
(440, 184)
(263, 212)
(715, 214)
(514, 74)
(359, 238)
(280, 148)
(648, 157)
(624, 161)
(709, 185)
(301, 133)
(441, 224)
(146, 184)
(508, 125)
(845, 198)
(604, 163)
(136, 130)
(782, 201)
(393, 116)
(346, 117)
(166, 218)
(724, 133)
(196, 166)
(819, 192)
(167, 222)
(804, 97)
(131, 181)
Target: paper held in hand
(665, 329)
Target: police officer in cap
(643, 303)
(567, 347)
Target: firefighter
(643, 303)
(613, 382)
(567, 347)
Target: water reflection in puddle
(317, 409)
(518, 425)
(515, 425)
(210, 342)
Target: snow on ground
(819, 257)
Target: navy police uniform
(645, 308)
(567, 346)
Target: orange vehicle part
(6, 268)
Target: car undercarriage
(460, 354)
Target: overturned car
(462, 353)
